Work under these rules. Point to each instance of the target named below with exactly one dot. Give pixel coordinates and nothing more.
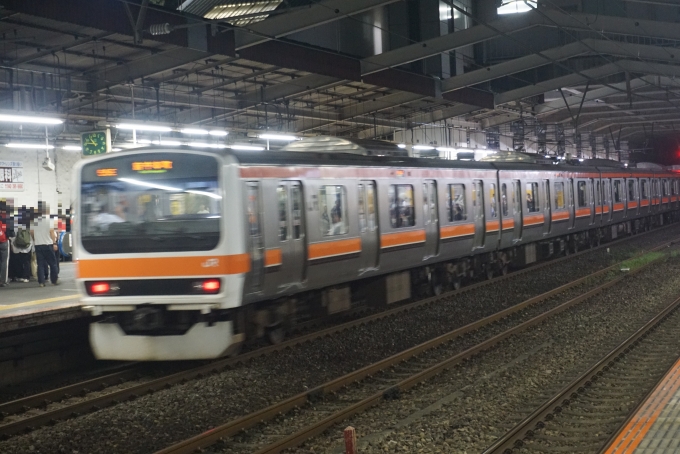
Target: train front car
(158, 258)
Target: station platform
(27, 304)
(655, 428)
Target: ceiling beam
(318, 13)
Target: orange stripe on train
(333, 248)
(560, 216)
(534, 219)
(619, 206)
(455, 231)
(582, 212)
(402, 238)
(508, 224)
(163, 266)
(273, 257)
(493, 226)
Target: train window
(617, 191)
(643, 190)
(362, 209)
(672, 187)
(517, 196)
(559, 196)
(370, 205)
(492, 200)
(631, 190)
(433, 203)
(334, 197)
(455, 202)
(402, 212)
(282, 197)
(598, 193)
(426, 205)
(504, 199)
(533, 204)
(296, 195)
(582, 195)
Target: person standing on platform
(22, 246)
(5, 232)
(45, 241)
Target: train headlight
(208, 286)
(102, 288)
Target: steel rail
(94, 404)
(45, 398)
(233, 427)
(513, 438)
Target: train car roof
(288, 158)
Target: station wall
(54, 187)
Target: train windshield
(151, 203)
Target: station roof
(234, 65)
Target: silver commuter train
(183, 254)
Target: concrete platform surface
(655, 428)
(27, 304)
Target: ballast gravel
(467, 408)
(155, 421)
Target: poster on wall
(11, 176)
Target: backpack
(23, 239)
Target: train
(184, 254)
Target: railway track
(584, 413)
(291, 422)
(74, 400)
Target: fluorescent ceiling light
(144, 141)
(167, 143)
(246, 148)
(401, 145)
(447, 149)
(205, 193)
(206, 145)
(516, 6)
(149, 185)
(116, 149)
(195, 131)
(284, 137)
(40, 146)
(72, 147)
(423, 147)
(35, 120)
(152, 128)
(218, 133)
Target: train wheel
(275, 333)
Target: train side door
(570, 203)
(478, 210)
(291, 232)
(368, 226)
(431, 218)
(255, 236)
(517, 210)
(547, 207)
(591, 194)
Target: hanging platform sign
(11, 176)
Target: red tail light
(99, 288)
(211, 286)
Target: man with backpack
(22, 246)
(5, 232)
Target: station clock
(96, 142)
